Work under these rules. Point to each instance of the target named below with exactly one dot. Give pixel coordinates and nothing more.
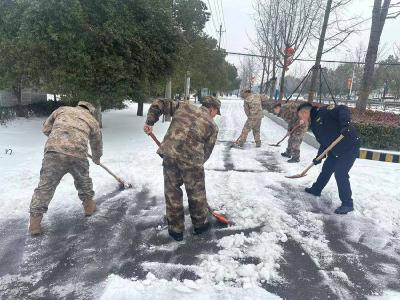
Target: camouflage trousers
(295, 140)
(176, 174)
(54, 167)
(252, 124)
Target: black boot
(312, 192)
(293, 160)
(285, 154)
(343, 210)
(202, 229)
(177, 236)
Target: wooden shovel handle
(155, 139)
(294, 128)
(288, 134)
(323, 154)
(331, 146)
(109, 172)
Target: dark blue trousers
(341, 167)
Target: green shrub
(381, 137)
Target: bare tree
(248, 72)
(266, 25)
(265, 60)
(333, 34)
(290, 24)
(380, 12)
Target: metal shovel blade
(275, 145)
(296, 176)
(125, 186)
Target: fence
(389, 105)
(29, 96)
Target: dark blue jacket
(327, 123)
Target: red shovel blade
(219, 217)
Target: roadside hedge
(377, 136)
(378, 130)
(44, 109)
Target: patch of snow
(159, 289)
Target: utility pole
(220, 36)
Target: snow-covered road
(283, 242)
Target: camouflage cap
(88, 105)
(213, 101)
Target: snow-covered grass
(267, 208)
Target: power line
(211, 12)
(223, 20)
(216, 4)
(313, 60)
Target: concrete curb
(364, 153)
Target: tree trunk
(273, 79)
(314, 77)
(263, 74)
(168, 95)
(267, 81)
(378, 22)
(140, 108)
(98, 115)
(282, 83)
(17, 89)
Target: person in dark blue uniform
(327, 124)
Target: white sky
(240, 29)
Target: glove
(148, 129)
(345, 131)
(316, 162)
(96, 160)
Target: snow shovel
(278, 144)
(220, 218)
(122, 184)
(323, 154)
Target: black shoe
(312, 192)
(177, 236)
(201, 229)
(238, 145)
(285, 154)
(258, 144)
(293, 160)
(343, 210)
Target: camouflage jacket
(70, 129)
(253, 106)
(289, 114)
(192, 134)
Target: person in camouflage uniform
(187, 145)
(296, 129)
(69, 129)
(254, 112)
